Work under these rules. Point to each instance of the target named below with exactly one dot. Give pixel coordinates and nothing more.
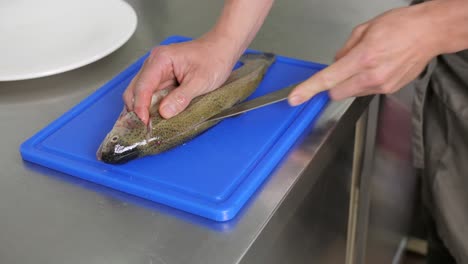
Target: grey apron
(440, 123)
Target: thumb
(177, 100)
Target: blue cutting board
(212, 175)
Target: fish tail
(270, 57)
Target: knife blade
(256, 103)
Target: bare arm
(450, 21)
(240, 21)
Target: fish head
(124, 142)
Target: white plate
(44, 37)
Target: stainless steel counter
(49, 217)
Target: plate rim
(84, 62)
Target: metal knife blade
(258, 102)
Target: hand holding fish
(196, 67)
(199, 66)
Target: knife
(258, 102)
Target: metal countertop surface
(49, 217)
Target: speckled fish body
(130, 138)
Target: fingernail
(295, 100)
(169, 111)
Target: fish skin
(130, 138)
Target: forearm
(239, 22)
(448, 24)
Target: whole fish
(130, 138)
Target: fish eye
(114, 139)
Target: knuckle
(127, 97)
(139, 109)
(386, 89)
(139, 88)
(142, 88)
(326, 80)
(126, 100)
(372, 79)
(379, 79)
(159, 51)
(364, 80)
(359, 29)
(181, 99)
(145, 96)
(369, 60)
(155, 51)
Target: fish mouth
(120, 158)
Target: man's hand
(197, 67)
(387, 52)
